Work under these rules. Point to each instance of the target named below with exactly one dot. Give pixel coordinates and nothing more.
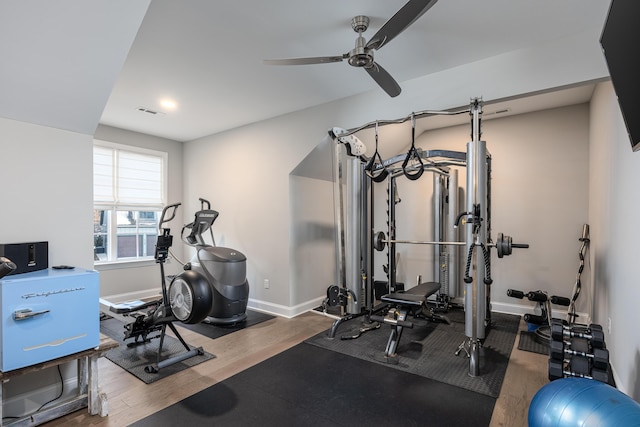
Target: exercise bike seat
(415, 296)
(131, 306)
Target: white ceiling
(207, 55)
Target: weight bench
(403, 303)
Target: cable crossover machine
(355, 178)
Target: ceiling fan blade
(399, 22)
(305, 61)
(384, 79)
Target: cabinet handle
(27, 313)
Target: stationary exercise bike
(187, 299)
(224, 269)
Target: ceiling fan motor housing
(360, 56)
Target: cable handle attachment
(371, 165)
(413, 153)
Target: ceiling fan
(362, 54)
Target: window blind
(123, 178)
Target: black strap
(371, 166)
(413, 154)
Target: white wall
(126, 282)
(312, 236)
(541, 198)
(47, 194)
(613, 207)
(47, 190)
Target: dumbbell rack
(578, 351)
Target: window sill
(116, 265)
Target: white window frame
(115, 204)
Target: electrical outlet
(266, 283)
(609, 325)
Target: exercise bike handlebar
(203, 201)
(164, 212)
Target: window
(129, 192)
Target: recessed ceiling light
(167, 103)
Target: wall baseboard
(283, 310)
(521, 310)
(254, 304)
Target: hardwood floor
(129, 399)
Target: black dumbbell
(599, 358)
(594, 335)
(557, 371)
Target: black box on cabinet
(31, 256)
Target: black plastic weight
(594, 335)
(580, 365)
(557, 371)
(599, 358)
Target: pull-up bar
(416, 115)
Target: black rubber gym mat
(217, 331)
(429, 349)
(310, 386)
(134, 359)
(528, 343)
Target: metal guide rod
(417, 115)
(353, 254)
(438, 209)
(391, 250)
(338, 196)
(452, 232)
(475, 235)
(422, 242)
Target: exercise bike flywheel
(190, 297)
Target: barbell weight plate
(379, 241)
(499, 243)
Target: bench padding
(414, 296)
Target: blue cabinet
(48, 314)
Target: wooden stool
(88, 394)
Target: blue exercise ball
(581, 402)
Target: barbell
(504, 244)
